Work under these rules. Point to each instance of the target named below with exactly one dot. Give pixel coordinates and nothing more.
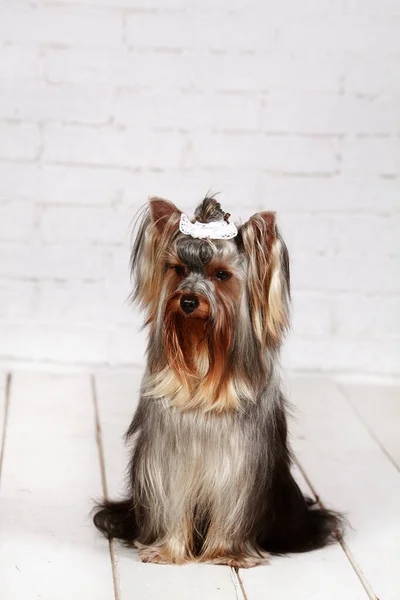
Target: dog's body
(210, 472)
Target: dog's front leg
(224, 549)
(173, 548)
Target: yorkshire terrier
(209, 477)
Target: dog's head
(210, 300)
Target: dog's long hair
(210, 472)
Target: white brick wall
(293, 106)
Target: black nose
(189, 304)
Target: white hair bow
(215, 230)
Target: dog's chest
(196, 455)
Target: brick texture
(291, 106)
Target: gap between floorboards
(100, 450)
(369, 591)
(365, 424)
(7, 393)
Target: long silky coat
(209, 477)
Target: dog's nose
(189, 304)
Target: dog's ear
(268, 276)
(161, 211)
(158, 225)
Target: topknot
(209, 210)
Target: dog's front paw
(244, 561)
(161, 555)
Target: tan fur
(277, 314)
(200, 393)
(157, 239)
(266, 283)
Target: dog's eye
(179, 270)
(222, 275)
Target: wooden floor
(61, 446)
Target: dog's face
(207, 298)
(204, 278)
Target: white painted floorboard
(307, 576)
(349, 471)
(379, 408)
(3, 379)
(48, 546)
(346, 437)
(117, 396)
(3, 404)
